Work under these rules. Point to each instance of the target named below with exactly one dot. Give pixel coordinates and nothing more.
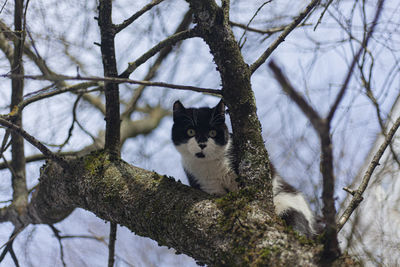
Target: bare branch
(375, 162)
(252, 18)
(56, 232)
(283, 35)
(72, 88)
(113, 121)
(111, 244)
(364, 44)
(310, 113)
(135, 16)
(37, 157)
(131, 105)
(171, 40)
(9, 248)
(34, 142)
(17, 166)
(322, 14)
(331, 246)
(267, 31)
(121, 80)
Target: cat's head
(200, 133)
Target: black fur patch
(192, 181)
(286, 188)
(297, 221)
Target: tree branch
(252, 158)
(357, 196)
(267, 31)
(113, 122)
(331, 246)
(111, 244)
(364, 45)
(116, 80)
(131, 105)
(169, 41)
(234, 230)
(309, 111)
(135, 16)
(283, 35)
(20, 191)
(18, 130)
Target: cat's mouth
(200, 155)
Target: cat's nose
(202, 146)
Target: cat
(201, 137)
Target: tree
(237, 229)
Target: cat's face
(200, 133)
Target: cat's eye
(212, 133)
(191, 132)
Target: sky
(315, 61)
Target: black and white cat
(202, 138)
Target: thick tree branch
(253, 165)
(113, 122)
(234, 230)
(20, 191)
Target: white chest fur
(214, 176)
(213, 172)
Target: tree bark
(233, 230)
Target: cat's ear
(220, 108)
(178, 108)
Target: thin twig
(38, 157)
(34, 142)
(3, 6)
(42, 94)
(57, 235)
(283, 35)
(322, 14)
(356, 200)
(267, 31)
(71, 128)
(251, 20)
(135, 16)
(364, 44)
(131, 105)
(111, 244)
(169, 41)
(120, 80)
(311, 114)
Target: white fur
(284, 201)
(213, 172)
